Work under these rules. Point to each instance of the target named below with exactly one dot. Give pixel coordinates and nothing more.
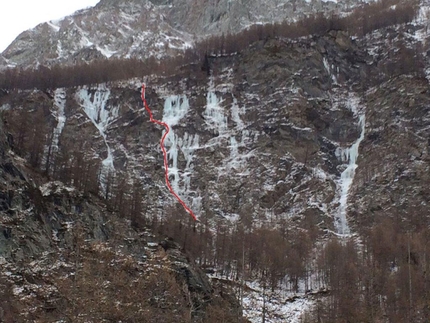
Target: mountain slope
(306, 161)
(130, 30)
(143, 28)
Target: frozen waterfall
(95, 107)
(348, 155)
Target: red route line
(166, 165)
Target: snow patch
(280, 305)
(106, 51)
(53, 26)
(5, 107)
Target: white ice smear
(214, 113)
(94, 104)
(217, 120)
(330, 70)
(236, 112)
(175, 108)
(348, 155)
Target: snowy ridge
(348, 155)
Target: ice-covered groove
(214, 113)
(175, 108)
(95, 107)
(59, 106)
(348, 155)
(58, 113)
(330, 70)
(236, 112)
(168, 113)
(237, 160)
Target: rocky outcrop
(93, 33)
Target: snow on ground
(280, 305)
(277, 311)
(55, 187)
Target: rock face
(143, 28)
(232, 16)
(395, 156)
(263, 136)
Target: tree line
(361, 21)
